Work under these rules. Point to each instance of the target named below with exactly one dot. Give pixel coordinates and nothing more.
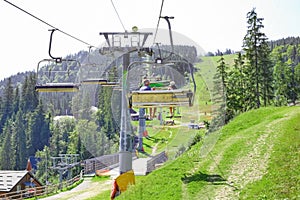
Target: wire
(161, 7)
(118, 15)
(49, 24)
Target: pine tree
(266, 74)
(7, 104)
(257, 53)
(6, 153)
(297, 79)
(220, 84)
(281, 77)
(105, 116)
(37, 131)
(61, 131)
(235, 88)
(44, 172)
(221, 74)
(16, 101)
(292, 62)
(19, 142)
(29, 99)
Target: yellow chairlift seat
(161, 98)
(57, 87)
(103, 82)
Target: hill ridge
(242, 165)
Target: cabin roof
(9, 179)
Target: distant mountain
(284, 42)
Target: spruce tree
(292, 62)
(297, 79)
(220, 83)
(37, 131)
(7, 104)
(6, 153)
(221, 74)
(257, 57)
(235, 88)
(267, 92)
(30, 98)
(281, 77)
(19, 142)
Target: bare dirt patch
(85, 190)
(251, 167)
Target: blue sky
(211, 24)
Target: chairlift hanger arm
(170, 30)
(88, 57)
(170, 35)
(106, 38)
(57, 59)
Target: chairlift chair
(163, 97)
(104, 81)
(47, 83)
(51, 85)
(95, 73)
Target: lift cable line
(118, 15)
(161, 7)
(43, 21)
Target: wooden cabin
(13, 181)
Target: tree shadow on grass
(147, 145)
(199, 176)
(155, 140)
(214, 179)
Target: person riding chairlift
(146, 87)
(172, 86)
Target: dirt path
(85, 190)
(250, 167)
(154, 149)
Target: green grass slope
(257, 156)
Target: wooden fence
(40, 191)
(103, 162)
(158, 159)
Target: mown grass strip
(193, 171)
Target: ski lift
(107, 79)
(165, 98)
(98, 77)
(92, 73)
(49, 77)
(102, 82)
(183, 96)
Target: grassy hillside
(257, 156)
(205, 82)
